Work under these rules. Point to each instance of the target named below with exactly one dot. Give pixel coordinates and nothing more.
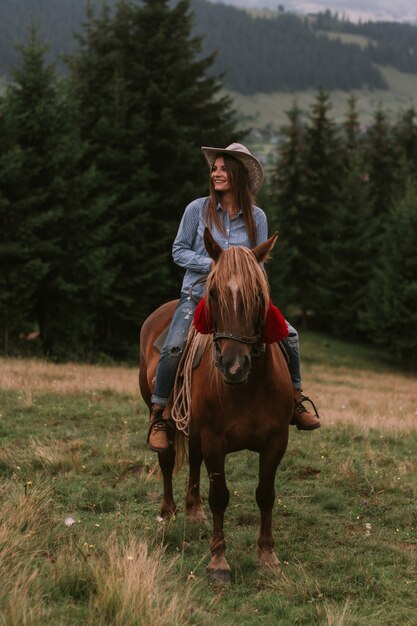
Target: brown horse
(242, 395)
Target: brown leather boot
(303, 419)
(160, 431)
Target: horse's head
(237, 294)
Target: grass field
(80, 542)
(262, 110)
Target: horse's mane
(239, 263)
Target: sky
(375, 10)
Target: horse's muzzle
(235, 370)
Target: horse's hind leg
(166, 463)
(193, 506)
(265, 498)
(218, 568)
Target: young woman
(234, 220)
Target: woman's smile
(219, 175)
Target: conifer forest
(98, 163)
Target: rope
(181, 407)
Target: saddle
(160, 341)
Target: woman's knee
(172, 352)
(292, 340)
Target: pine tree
(49, 229)
(347, 269)
(320, 203)
(147, 107)
(381, 159)
(286, 202)
(392, 304)
(30, 115)
(382, 162)
(15, 297)
(405, 136)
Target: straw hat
(240, 152)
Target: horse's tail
(180, 447)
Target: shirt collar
(219, 208)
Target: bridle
(254, 340)
(223, 334)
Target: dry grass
(363, 398)
(26, 525)
(78, 542)
(56, 454)
(40, 556)
(34, 375)
(133, 581)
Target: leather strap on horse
(181, 406)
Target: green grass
(262, 110)
(322, 349)
(360, 40)
(345, 521)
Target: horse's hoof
(196, 517)
(269, 562)
(222, 576)
(167, 514)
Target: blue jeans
(292, 346)
(173, 348)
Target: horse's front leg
(166, 463)
(193, 507)
(265, 498)
(218, 568)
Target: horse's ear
(262, 251)
(212, 247)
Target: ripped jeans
(174, 345)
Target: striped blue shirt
(188, 250)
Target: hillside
(265, 57)
(278, 52)
(356, 10)
(263, 111)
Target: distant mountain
(280, 53)
(273, 53)
(373, 10)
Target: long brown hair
(240, 188)
(239, 262)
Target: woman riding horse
(239, 396)
(233, 219)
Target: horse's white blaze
(234, 367)
(234, 287)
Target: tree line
(283, 52)
(391, 43)
(97, 168)
(279, 53)
(345, 203)
(95, 171)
